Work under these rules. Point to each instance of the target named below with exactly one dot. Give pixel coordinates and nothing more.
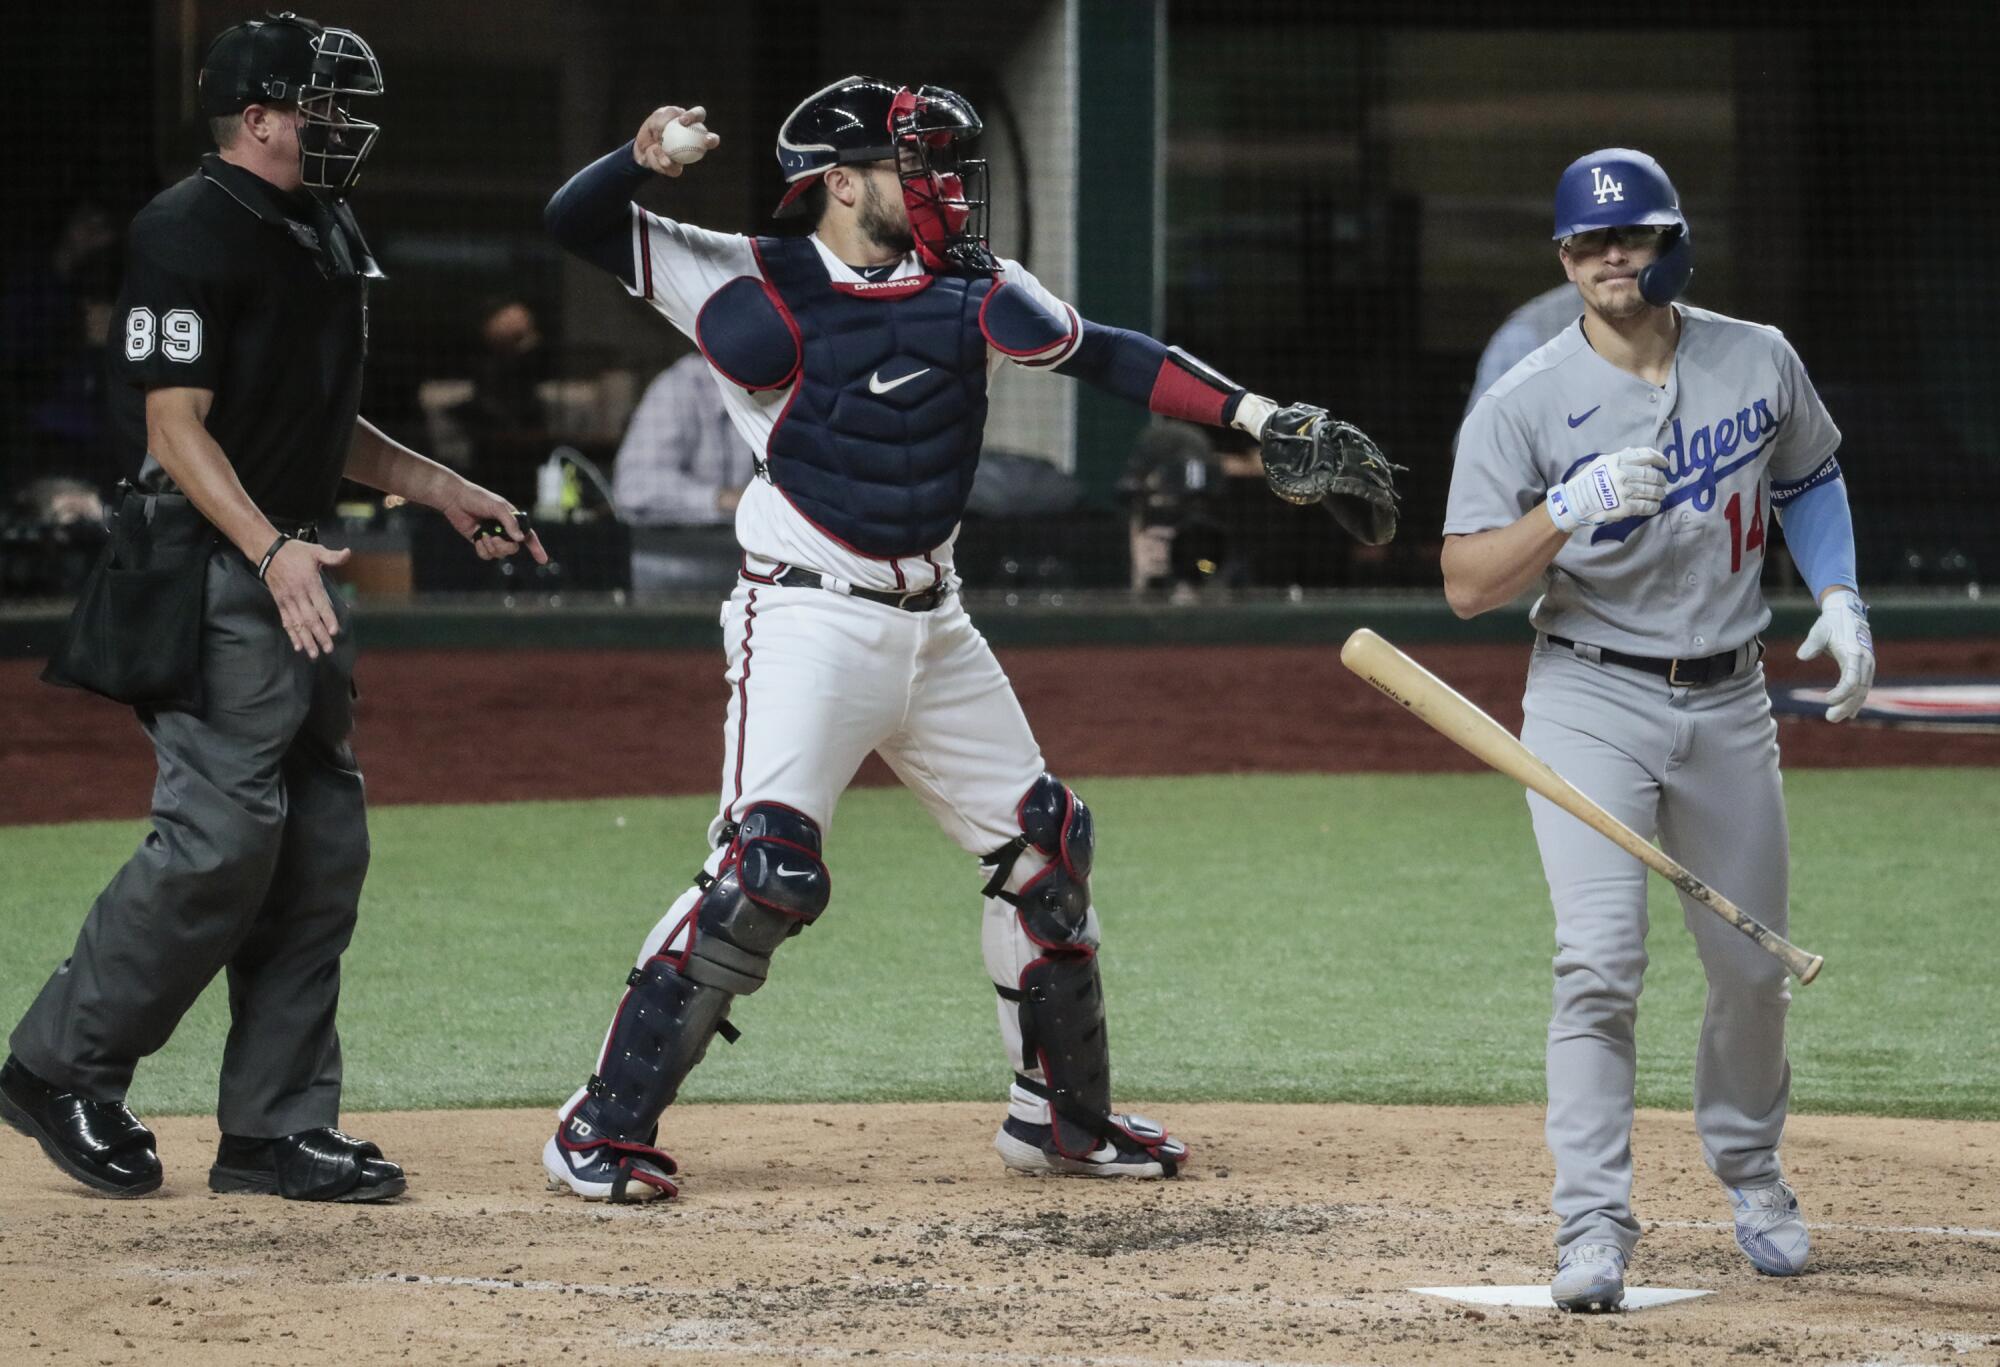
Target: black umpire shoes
(312, 1165)
(99, 1143)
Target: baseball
(684, 143)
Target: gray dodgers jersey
(1736, 416)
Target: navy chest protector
(879, 440)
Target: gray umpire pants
(254, 866)
(1699, 768)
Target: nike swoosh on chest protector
(876, 384)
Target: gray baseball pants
(254, 865)
(1699, 768)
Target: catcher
(854, 363)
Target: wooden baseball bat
(1451, 715)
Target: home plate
(1636, 1297)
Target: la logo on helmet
(1605, 187)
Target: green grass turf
(1354, 938)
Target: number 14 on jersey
(1738, 543)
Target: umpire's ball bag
(135, 634)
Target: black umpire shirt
(260, 295)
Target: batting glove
(1624, 484)
(1842, 628)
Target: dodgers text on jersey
(1698, 461)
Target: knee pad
(771, 884)
(1055, 821)
(1054, 905)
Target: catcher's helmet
(859, 119)
(1618, 187)
(286, 59)
(846, 122)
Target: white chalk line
(728, 1336)
(712, 1337)
(921, 1286)
(1476, 1217)
(715, 1336)
(694, 1334)
(698, 1334)
(882, 1288)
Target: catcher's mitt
(1309, 456)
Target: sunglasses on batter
(1629, 237)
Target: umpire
(244, 319)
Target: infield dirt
(890, 1232)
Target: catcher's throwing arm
(1447, 712)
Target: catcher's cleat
(620, 1173)
(1135, 1148)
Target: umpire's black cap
(261, 61)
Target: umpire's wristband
(270, 555)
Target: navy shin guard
(1059, 995)
(771, 884)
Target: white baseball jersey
(1736, 415)
(678, 266)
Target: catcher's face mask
(332, 143)
(944, 191)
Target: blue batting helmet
(1618, 187)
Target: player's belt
(1682, 672)
(921, 600)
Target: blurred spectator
(682, 463)
(507, 376)
(1167, 481)
(62, 502)
(43, 292)
(55, 317)
(1527, 328)
(1202, 515)
(50, 534)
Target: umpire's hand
(468, 506)
(293, 577)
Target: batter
(1630, 467)
(855, 363)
